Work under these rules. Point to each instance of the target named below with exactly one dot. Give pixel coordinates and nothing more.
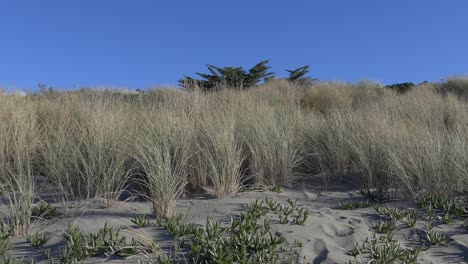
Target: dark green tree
(400, 87)
(298, 76)
(298, 73)
(228, 77)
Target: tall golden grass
(96, 143)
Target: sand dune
(327, 235)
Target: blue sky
(142, 43)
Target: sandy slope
(326, 235)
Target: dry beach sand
(326, 235)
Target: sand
(326, 236)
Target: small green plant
(297, 244)
(245, 239)
(357, 250)
(5, 234)
(44, 211)
(353, 205)
(412, 218)
(107, 241)
(447, 218)
(384, 249)
(272, 205)
(4, 245)
(436, 237)
(287, 210)
(276, 188)
(394, 214)
(74, 251)
(283, 219)
(140, 220)
(176, 227)
(13, 260)
(37, 239)
(384, 226)
(48, 254)
(453, 205)
(293, 204)
(302, 216)
(430, 213)
(378, 196)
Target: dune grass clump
(96, 143)
(84, 150)
(219, 154)
(454, 86)
(160, 146)
(19, 134)
(273, 144)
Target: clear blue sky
(139, 43)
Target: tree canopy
(239, 78)
(298, 76)
(228, 77)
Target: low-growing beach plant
(48, 254)
(37, 239)
(436, 237)
(276, 188)
(74, 250)
(353, 205)
(176, 226)
(273, 205)
(44, 211)
(447, 218)
(411, 218)
(292, 203)
(287, 210)
(4, 245)
(394, 214)
(452, 205)
(107, 241)
(244, 238)
(240, 241)
(381, 226)
(140, 220)
(301, 218)
(14, 260)
(5, 234)
(378, 196)
(430, 213)
(384, 249)
(283, 219)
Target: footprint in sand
(321, 250)
(337, 230)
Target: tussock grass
(273, 142)
(18, 152)
(219, 152)
(84, 151)
(160, 146)
(94, 143)
(457, 86)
